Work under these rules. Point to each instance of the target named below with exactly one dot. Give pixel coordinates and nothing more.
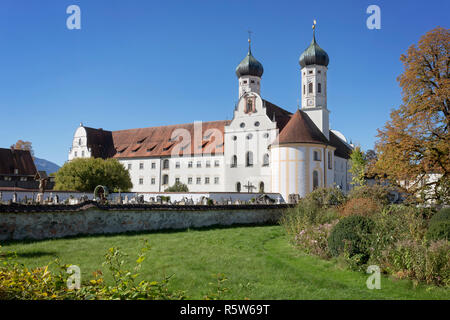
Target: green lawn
(258, 262)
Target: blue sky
(141, 63)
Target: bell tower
(313, 67)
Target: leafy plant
(352, 233)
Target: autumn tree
(415, 142)
(84, 174)
(23, 145)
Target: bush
(439, 230)
(177, 187)
(415, 260)
(396, 223)
(360, 206)
(379, 194)
(351, 235)
(326, 197)
(441, 215)
(439, 225)
(314, 239)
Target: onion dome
(314, 55)
(249, 66)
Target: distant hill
(45, 165)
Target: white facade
(79, 147)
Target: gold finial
(249, 36)
(314, 24)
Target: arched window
(249, 159)
(310, 87)
(319, 88)
(266, 160)
(165, 179)
(79, 142)
(234, 161)
(315, 179)
(261, 187)
(238, 187)
(316, 156)
(166, 164)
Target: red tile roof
(22, 160)
(301, 129)
(157, 141)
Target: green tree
(178, 187)
(84, 174)
(358, 166)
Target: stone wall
(94, 219)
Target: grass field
(258, 262)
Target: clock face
(310, 102)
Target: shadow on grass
(32, 254)
(144, 232)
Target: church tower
(313, 62)
(249, 73)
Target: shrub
(314, 239)
(360, 206)
(326, 197)
(352, 234)
(439, 230)
(379, 194)
(304, 215)
(395, 223)
(415, 260)
(441, 215)
(439, 225)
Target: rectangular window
(177, 164)
(190, 180)
(141, 180)
(153, 165)
(177, 180)
(82, 153)
(216, 163)
(208, 164)
(216, 180)
(319, 87)
(190, 164)
(153, 180)
(129, 166)
(141, 165)
(199, 180)
(206, 180)
(330, 166)
(199, 164)
(76, 154)
(23, 178)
